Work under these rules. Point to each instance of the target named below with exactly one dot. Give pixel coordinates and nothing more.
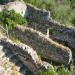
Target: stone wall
(57, 31)
(43, 45)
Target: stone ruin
(27, 55)
(56, 31)
(34, 38)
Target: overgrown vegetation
(62, 71)
(5, 1)
(11, 18)
(62, 11)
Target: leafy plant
(11, 18)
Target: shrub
(60, 9)
(48, 72)
(11, 18)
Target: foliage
(48, 72)
(72, 3)
(62, 71)
(10, 18)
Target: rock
(58, 32)
(1, 47)
(44, 46)
(5, 1)
(27, 55)
(7, 67)
(36, 14)
(18, 6)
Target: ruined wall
(6, 1)
(18, 6)
(44, 46)
(58, 32)
(27, 55)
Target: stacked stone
(7, 63)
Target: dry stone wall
(38, 15)
(44, 46)
(57, 31)
(18, 6)
(8, 61)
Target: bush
(61, 71)
(10, 18)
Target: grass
(62, 71)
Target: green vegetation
(10, 18)
(62, 71)
(5, 1)
(62, 11)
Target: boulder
(27, 55)
(19, 7)
(58, 32)
(44, 46)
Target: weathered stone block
(44, 46)
(27, 55)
